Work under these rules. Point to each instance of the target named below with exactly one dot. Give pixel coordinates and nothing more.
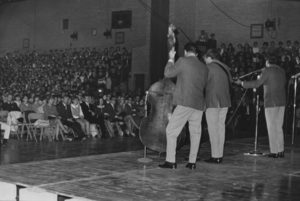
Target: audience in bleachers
(96, 83)
(60, 76)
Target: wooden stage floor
(84, 170)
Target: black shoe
(192, 166)
(168, 165)
(4, 143)
(214, 160)
(271, 155)
(281, 154)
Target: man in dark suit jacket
(65, 114)
(273, 79)
(212, 42)
(111, 112)
(188, 96)
(90, 115)
(217, 95)
(10, 105)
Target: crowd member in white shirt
(79, 117)
(255, 48)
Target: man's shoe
(192, 166)
(214, 160)
(272, 155)
(281, 154)
(168, 165)
(4, 143)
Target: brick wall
(194, 15)
(41, 22)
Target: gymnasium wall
(196, 15)
(41, 22)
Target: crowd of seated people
(79, 78)
(112, 114)
(67, 70)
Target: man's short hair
(48, 98)
(213, 53)
(191, 47)
(272, 59)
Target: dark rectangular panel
(121, 19)
(65, 24)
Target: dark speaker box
(121, 19)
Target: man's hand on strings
(171, 29)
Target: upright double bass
(160, 96)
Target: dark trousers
(99, 120)
(75, 126)
(122, 126)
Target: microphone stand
(294, 112)
(145, 159)
(0, 144)
(255, 152)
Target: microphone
(295, 76)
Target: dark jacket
(130, 109)
(111, 111)
(86, 110)
(217, 93)
(191, 80)
(273, 79)
(10, 106)
(64, 113)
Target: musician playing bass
(274, 79)
(191, 77)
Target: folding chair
(69, 130)
(112, 127)
(33, 117)
(27, 124)
(17, 124)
